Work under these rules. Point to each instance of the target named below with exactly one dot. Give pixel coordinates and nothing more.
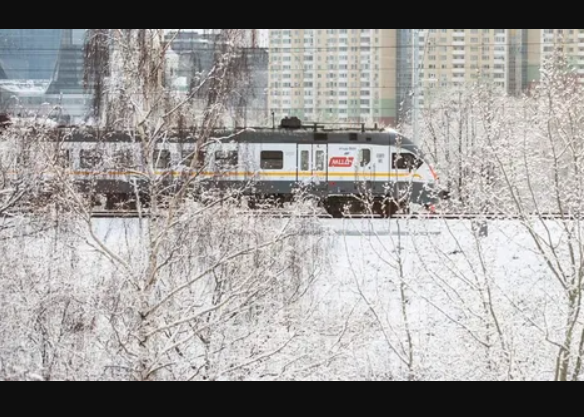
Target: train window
(353, 136)
(90, 158)
(64, 158)
(406, 162)
(124, 159)
(320, 165)
(305, 161)
(189, 155)
(187, 158)
(201, 158)
(227, 158)
(162, 159)
(272, 160)
(364, 157)
(23, 158)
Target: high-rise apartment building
(534, 54)
(334, 75)
(361, 75)
(517, 54)
(405, 64)
(68, 74)
(542, 44)
(453, 58)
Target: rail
(275, 213)
(412, 216)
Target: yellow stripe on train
(380, 175)
(245, 175)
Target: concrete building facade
(334, 75)
(368, 75)
(452, 58)
(543, 44)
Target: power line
(262, 50)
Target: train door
(365, 167)
(225, 164)
(248, 169)
(313, 167)
(320, 152)
(305, 162)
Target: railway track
(130, 214)
(413, 216)
(135, 214)
(487, 216)
(119, 214)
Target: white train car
(337, 167)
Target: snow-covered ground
(474, 308)
(448, 277)
(426, 300)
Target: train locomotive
(343, 169)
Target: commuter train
(349, 169)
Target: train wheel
(117, 201)
(390, 209)
(378, 208)
(111, 202)
(252, 203)
(334, 209)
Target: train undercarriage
(335, 207)
(120, 196)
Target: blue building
(29, 54)
(42, 69)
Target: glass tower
(29, 54)
(42, 70)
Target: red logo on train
(342, 162)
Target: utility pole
(416, 82)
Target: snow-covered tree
(198, 290)
(521, 158)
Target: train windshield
(406, 161)
(408, 155)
